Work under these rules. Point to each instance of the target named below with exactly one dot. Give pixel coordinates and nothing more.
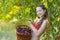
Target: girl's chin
(39, 15)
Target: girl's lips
(39, 14)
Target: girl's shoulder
(47, 20)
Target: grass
(7, 31)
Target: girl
(39, 25)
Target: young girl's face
(40, 11)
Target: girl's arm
(42, 28)
(32, 27)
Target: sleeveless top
(37, 26)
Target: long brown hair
(44, 8)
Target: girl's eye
(39, 10)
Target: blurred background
(12, 10)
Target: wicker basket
(58, 37)
(20, 32)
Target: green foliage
(10, 9)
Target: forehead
(38, 8)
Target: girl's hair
(44, 8)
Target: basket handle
(22, 17)
(25, 19)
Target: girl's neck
(40, 17)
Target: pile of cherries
(24, 30)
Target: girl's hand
(30, 21)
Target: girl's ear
(44, 11)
